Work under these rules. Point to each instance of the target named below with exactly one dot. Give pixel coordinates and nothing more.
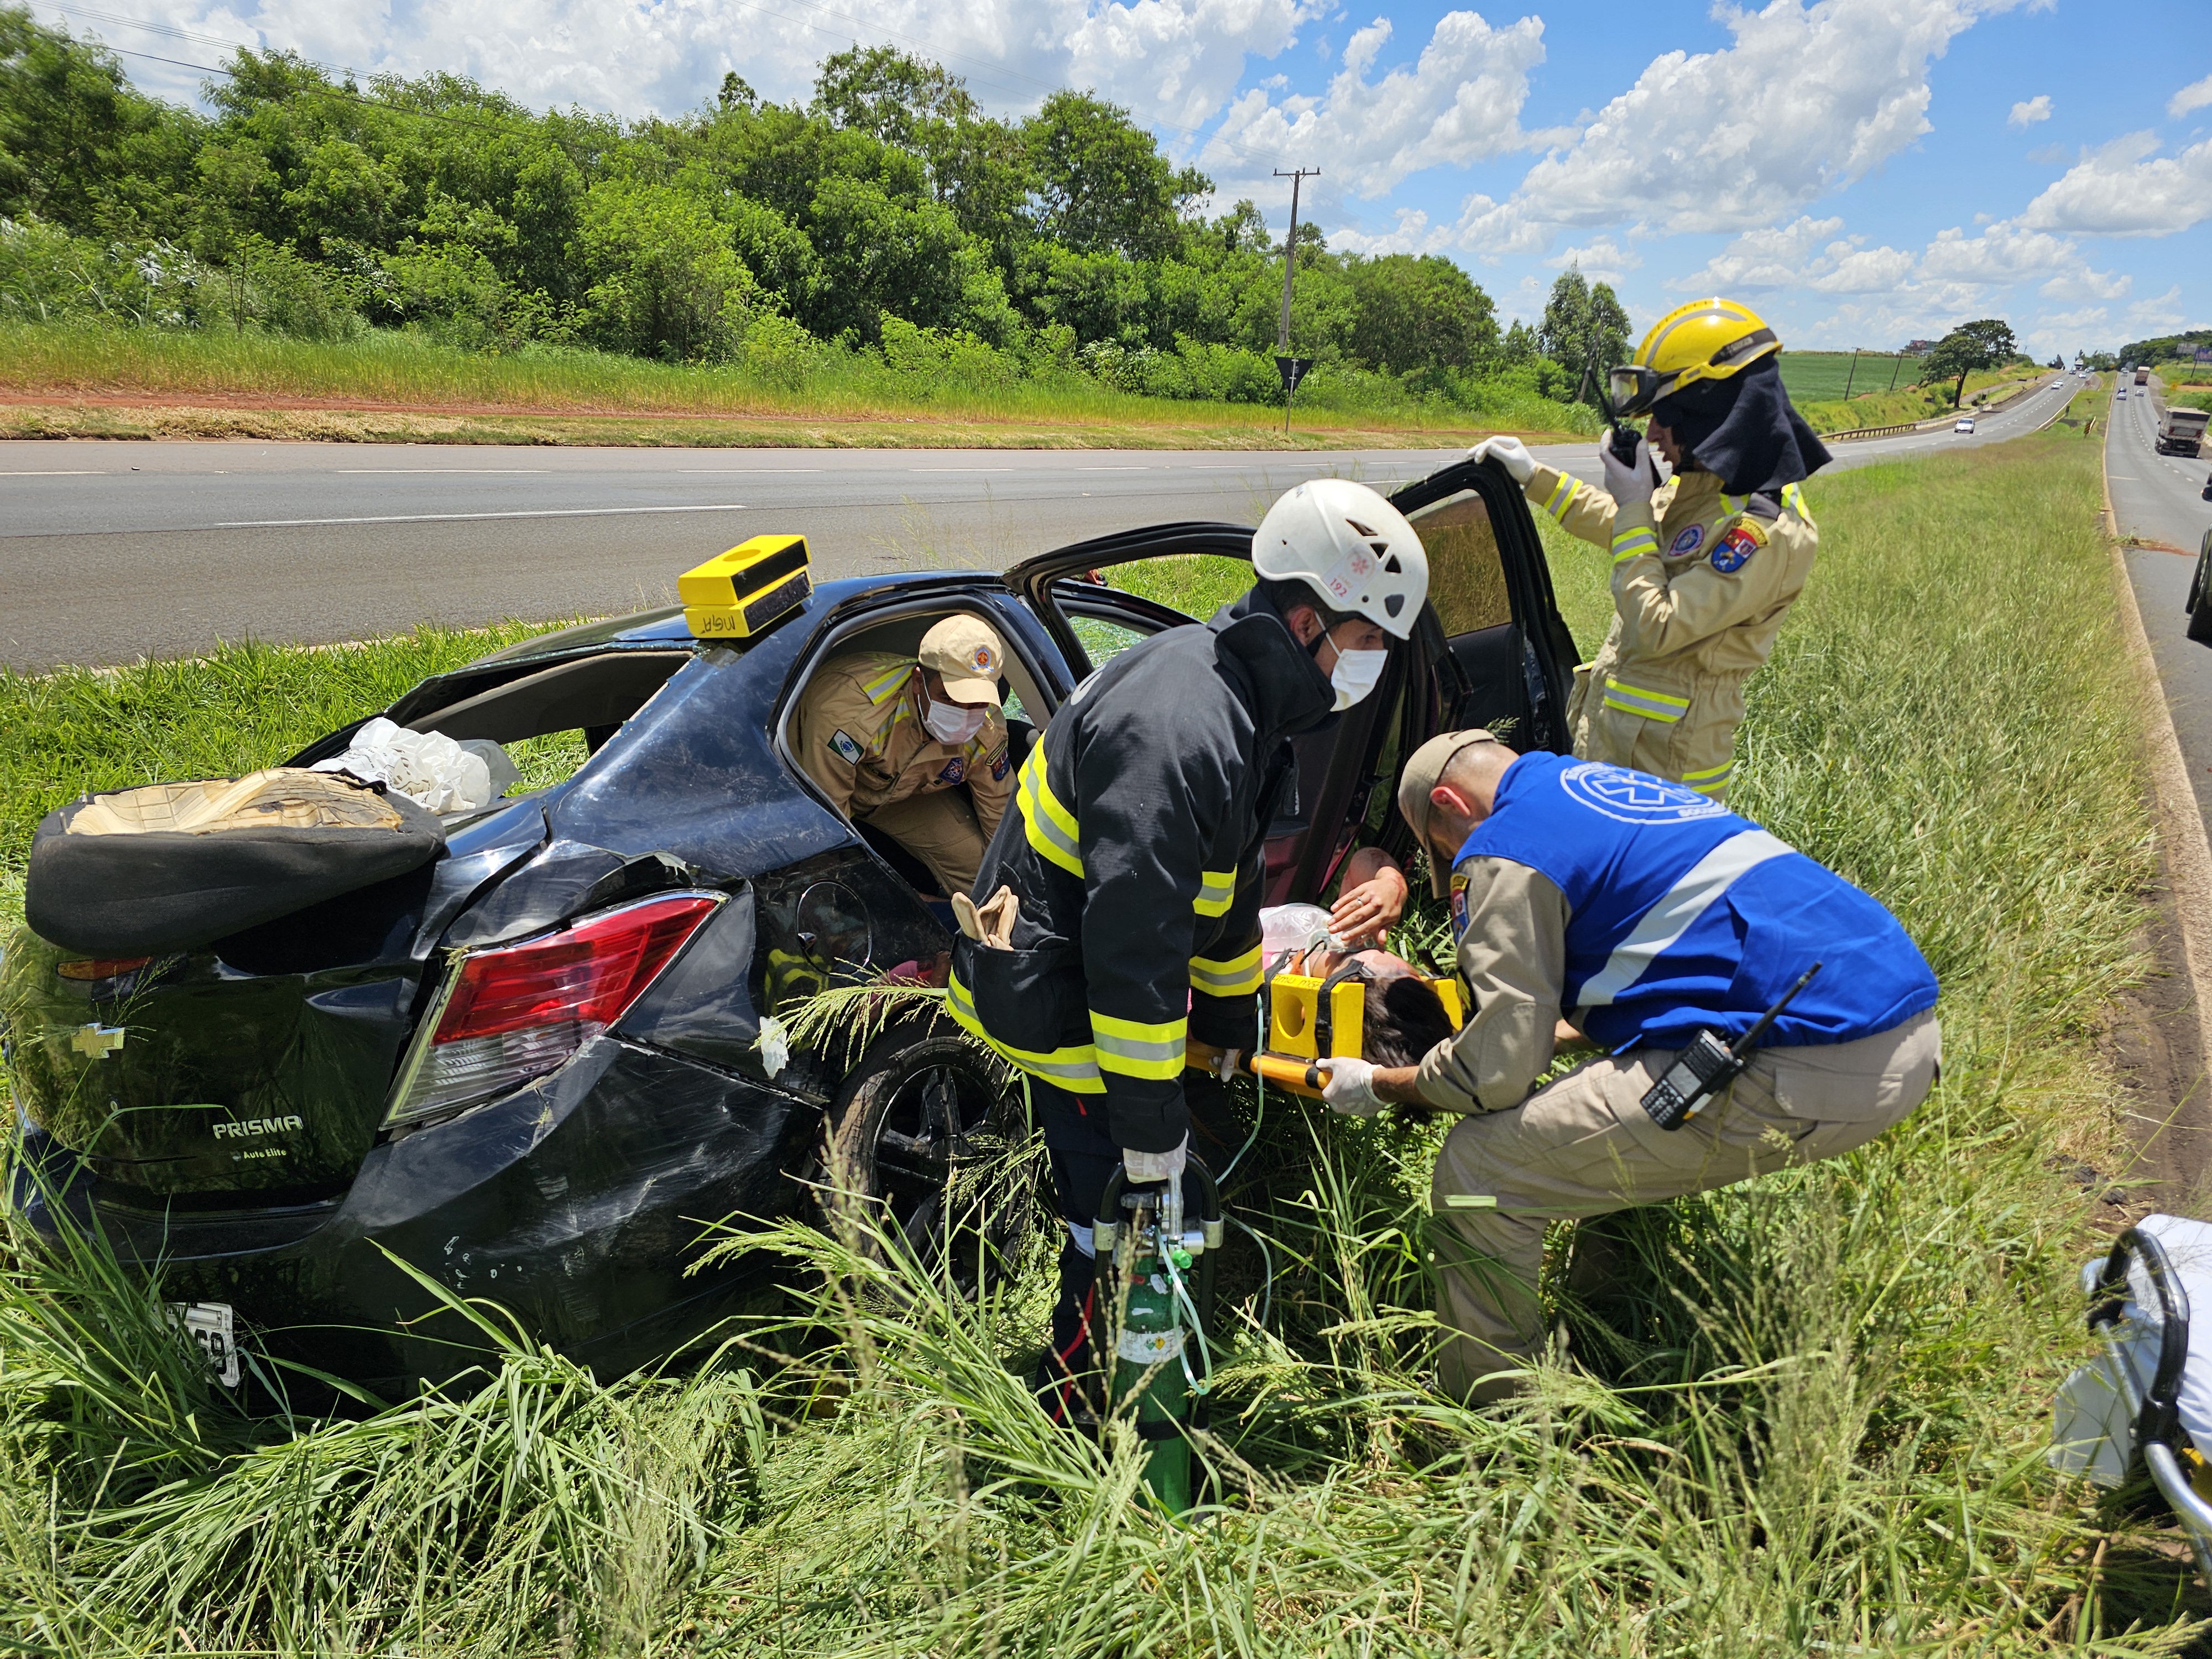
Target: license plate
(209, 1324)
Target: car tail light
(515, 1012)
(102, 967)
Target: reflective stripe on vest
(1557, 506)
(1217, 891)
(1670, 918)
(1628, 544)
(1075, 1068)
(1713, 781)
(1237, 976)
(1635, 700)
(1134, 1048)
(1050, 826)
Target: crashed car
(534, 1069)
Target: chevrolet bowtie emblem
(95, 1041)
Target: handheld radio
(1706, 1066)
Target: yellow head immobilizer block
(736, 594)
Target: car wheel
(930, 1134)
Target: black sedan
(533, 1070)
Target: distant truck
(2182, 432)
(2142, 376)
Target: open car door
(1098, 597)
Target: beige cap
(1423, 768)
(966, 651)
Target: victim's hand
(1364, 914)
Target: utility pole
(1896, 371)
(1854, 375)
(1292, 369)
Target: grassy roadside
(1813, 1426)
(68, 381)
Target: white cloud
(2159, 315)
(2126, 189)
(1459, 102)
(2025, 115)
(2194, 96)
(1805, 254)
(2003, 254)
(1176, 61)
(1601, 259)
(1808, 100)
(1412, 234)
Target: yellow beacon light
(736, 594)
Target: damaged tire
(930, 1134)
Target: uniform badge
(1000, 763)
(1458, 905)
(1686, 542)
(845, 746)
(1734, 551)
(955, 770)
(981, 660)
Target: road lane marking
(448, 517)
(442, 472)
(960, 468)
(1115, 469)
(742, 472)
(62, 472)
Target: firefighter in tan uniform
(1706, 566)
(916, 745)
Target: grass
(82, 380)
(1809, 1422)
(1823, 376)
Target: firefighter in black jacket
(1133, 855)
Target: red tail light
(516, 1012)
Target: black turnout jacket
(1136, 842)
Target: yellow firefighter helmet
(1704, 340)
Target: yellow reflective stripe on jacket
(1134, 1048)
(1793, 497)
(1713, 781)
(1637, 539)
(1635, 700)
(884, 687)
(1557, 506)
(1050, 826)
(1237, 976)
(1217, 891)
(1075, 1068)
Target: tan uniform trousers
(941, 829)
(1585, 1146)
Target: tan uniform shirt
(861, 737)
(1513, 959)
(1701, 581)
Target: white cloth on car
(430, 768)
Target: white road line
(64, 472)
(960, 468)
(448, 517)
(442, 472)
(743, 471)
(1117, 469)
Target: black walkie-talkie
(1706, 1066)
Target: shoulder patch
(1458, 905)
(1687, 541)
(1734, 551)
(844, 745)
(1000, 763)
(955, 771)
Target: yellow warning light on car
(735, 595)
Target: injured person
(1404, 1016)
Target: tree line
(887, 213)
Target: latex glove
(1350, 1088)
(1633, 482)
(1156, 1166)
(1228, 1065)
(1508, 453)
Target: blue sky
(1863, 171)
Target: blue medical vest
(1683, 915)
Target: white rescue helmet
(1353, 548)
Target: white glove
(1350, 1088)
(1508, 453)
(1634, 482)
(1156, 1166)
(1228, 1064)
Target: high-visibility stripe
(1733, 503)
(1074, 1067)
(1677, 911)
(1237, 976)
(1050, 826)
(884, 687)
(1217, 889)
(1635, 700)
(1135, 1048)
(1628, 544)
(1793, 497)
(1713, 781)
(1557, 506)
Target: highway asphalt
(2157, 499)
(111, 551)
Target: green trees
(1966, 349)
(1584, 329)
(751, 231)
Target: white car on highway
(1963, 426)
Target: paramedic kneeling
(1648, 912)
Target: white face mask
(1356, 674)
(948, 722)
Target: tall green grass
(1807, 1420)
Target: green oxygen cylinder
(1147, 1325)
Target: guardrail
(1931, 424)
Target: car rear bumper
(576, 1203)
